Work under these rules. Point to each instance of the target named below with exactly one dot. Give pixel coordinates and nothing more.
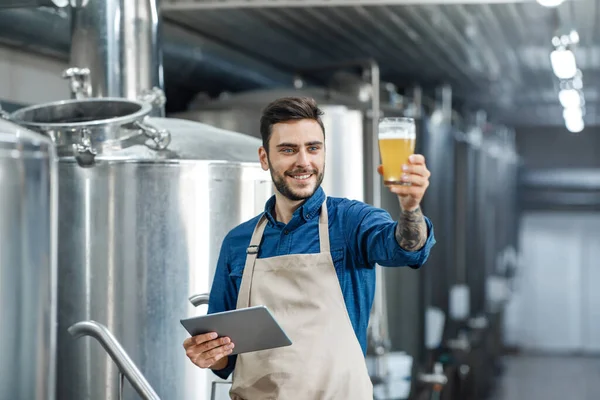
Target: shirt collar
(308, 210)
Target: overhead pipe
(116, 41)
(190, 61)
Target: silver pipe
(379, 311)
(32, 3)
(117, 41)
(118, 355)
(199, 299)
(375, 109)
(191, 62)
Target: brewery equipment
(28, 201)
(144, 205)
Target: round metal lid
(113, 129)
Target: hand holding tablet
(207, 350)
(238, 331)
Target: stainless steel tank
(144, 206)
(28, 201)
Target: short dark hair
(288, 109)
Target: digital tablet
(250, 329)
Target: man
(296, 257)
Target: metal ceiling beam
(181, 5)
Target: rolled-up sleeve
(223, 297)
(371, 235)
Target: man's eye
(286, 150)
(314, 148)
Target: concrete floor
(529, 377)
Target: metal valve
(154, 96)
(80, 83)
(161, 138)
(84, 152)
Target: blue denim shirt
(360, 236)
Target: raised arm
(411, 231)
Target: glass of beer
(397, 138)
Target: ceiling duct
(190, 62)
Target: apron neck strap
(323, 232)
(324, 228)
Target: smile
(301, 177)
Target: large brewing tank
(144, 206)
(28, 201)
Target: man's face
(296, 158)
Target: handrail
(114, 349)
(199, 299)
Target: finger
(211, 361)
(414, 180)
(199, 339)
(380, 169)
(400, 190)
(413, 190)
(416, 159)
(207, 346)
(416, 169)
(206, 359)
(218, 351)
(189, 342)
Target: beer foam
(398, 134)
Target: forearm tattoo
(411, 232)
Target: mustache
(302, 171)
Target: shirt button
(307, 215)
(286, 232)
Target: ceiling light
(563, 63)
(572, 114)
(550, 3)
(574, 125)
(556, 41)
(574, 37)
(577, 83)
(569, 98)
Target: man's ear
(263, 158)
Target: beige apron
(325, 360)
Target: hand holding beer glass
(397, 138)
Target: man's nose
(303, 158)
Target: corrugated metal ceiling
(495, 56)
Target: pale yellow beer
(397, 137)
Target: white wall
(27, 78)
(556, 307)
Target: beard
(283, 187)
